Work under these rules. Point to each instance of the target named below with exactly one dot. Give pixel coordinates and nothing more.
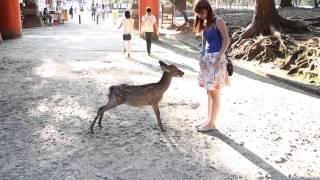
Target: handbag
(126, 37)
(229, 67)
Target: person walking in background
(127, 24)
(93, 12)
(213, 73)
(149, 23)
(103, 12)
(98, 12)
(114, 16)
(71, 12)
(107, 11)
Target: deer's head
(171, 69)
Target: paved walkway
(53, 79)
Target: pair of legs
(127, 47)
(112, 104)
(148, 36)
(93, 16)
(213, 110)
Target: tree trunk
(286, 3)
(183, 12)
(316, 3)
(267, 21)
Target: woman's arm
(132, 26)
(120, 25)
(224, 34)
(202, 64)
(203, 45)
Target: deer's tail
(111, 90)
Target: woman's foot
(201, 123)
(206, 128)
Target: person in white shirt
(149, 21)
(107, 11)
(127, 24)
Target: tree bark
(267, 21)
(286, 3)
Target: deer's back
(138, 95)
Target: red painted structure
(10, 20)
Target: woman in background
(127, 24)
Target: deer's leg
(100, 119)
(92, 124)
(111, 104)
(157, 112)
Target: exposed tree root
(302, 59)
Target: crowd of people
(98, 10)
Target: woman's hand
(216, 63)
(203, 65)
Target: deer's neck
(165, 81)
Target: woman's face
(203, 14)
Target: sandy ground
(53, 79)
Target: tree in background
(180, 9)
(267, 20)
(316, 3)
(286, 3)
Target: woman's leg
(210, 104)
(205, 122)
(124, 46)
(215, 108)
(215, 97)
(129, 48)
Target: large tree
(267, 20)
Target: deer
(140, 95)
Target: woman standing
(128, 32)
(71, 12)
(213, 73)
(103, 12)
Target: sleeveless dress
(213, 78)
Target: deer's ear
(163, 65)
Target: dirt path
(53, 79)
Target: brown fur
(140, 95)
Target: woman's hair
(148, 10)
(199, 23)
(127, 14)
